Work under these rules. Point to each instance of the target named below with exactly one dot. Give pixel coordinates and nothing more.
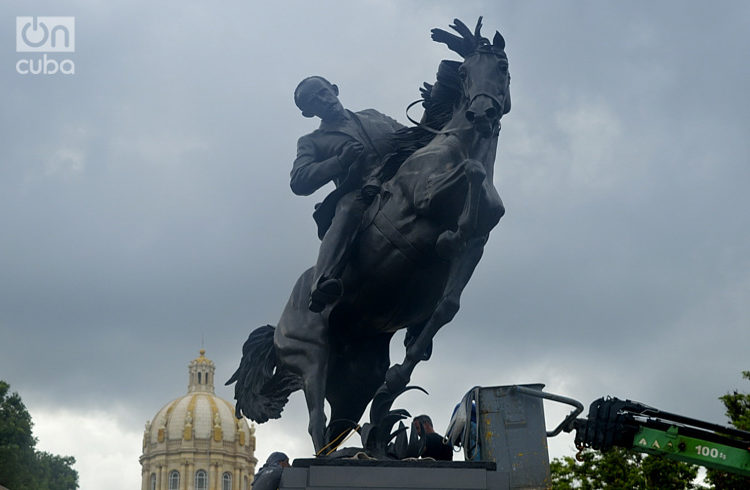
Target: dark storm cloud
(144, 201)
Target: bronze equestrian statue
(415, 248)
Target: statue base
(355, 474)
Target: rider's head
(316, 96)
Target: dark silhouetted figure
(269, 475)
(434, 446)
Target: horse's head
(485, 81)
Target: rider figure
(349, 149)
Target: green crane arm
(633, 425)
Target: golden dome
(199, 414)
(196, 435)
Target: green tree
(621, 469)
(738, 411)
(56, 472)
(16, 441)
(660, 472)
(22, 467)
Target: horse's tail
(262, 389)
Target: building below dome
(195, 442)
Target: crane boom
(633, 425)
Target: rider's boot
(327, 288)
(334, 249)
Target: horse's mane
(438, 101)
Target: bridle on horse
(442, 131)
(485, 49)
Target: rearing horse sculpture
(417, 248)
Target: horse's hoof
(448, 244)
(396, 378)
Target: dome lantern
(201, 374)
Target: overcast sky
(145, 206)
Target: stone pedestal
(322, 474)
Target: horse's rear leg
(356, 371)
(314, 387)
(302, 346)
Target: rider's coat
(317, 161)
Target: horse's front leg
(450, 242)
(461, 271)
